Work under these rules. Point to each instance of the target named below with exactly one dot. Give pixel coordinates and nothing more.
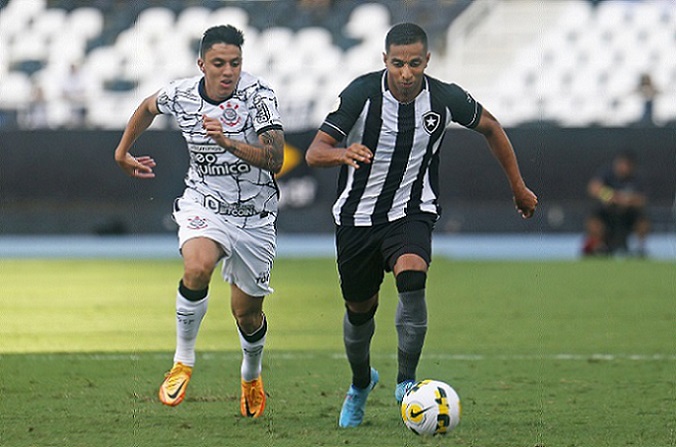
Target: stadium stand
(585, 69)
(573, 63)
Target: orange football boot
(172, 390)
(252, 402)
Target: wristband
(606, 194)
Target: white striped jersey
(403, 176)
(243, 194)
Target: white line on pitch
(293, 356)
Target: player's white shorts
(249, 252)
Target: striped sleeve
(348, 107)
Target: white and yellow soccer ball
(431, 408)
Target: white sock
(189, 315)
(252, 352)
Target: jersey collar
(201, 88)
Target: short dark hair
(405, 34)
(227, 34)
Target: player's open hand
(138, 167)
(525, 201)
(357, 153)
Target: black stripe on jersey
(430, 161)
(360, 176)
(406, 131)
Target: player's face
(222, 66)
(406, 66)
(623, 168)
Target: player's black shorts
(366, 253)
(616, 218)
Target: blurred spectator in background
(619, 211)
(648, 91)
(36, 114)
(307, 13)
(74, 92)
(595, 3)
(320, 8)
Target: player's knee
(411, 280)
(197, 275)
(362, 317)
(248, 321)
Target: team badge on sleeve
(263, 114)
(431, 121)
(197, 223)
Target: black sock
(358, 330)
(192, 295)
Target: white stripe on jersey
(428, 197)
(381, 162)
(353, 137)
(343, 196)
(415, 160)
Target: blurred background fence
(59, 182)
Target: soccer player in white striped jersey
(393, 122)
(234, 134)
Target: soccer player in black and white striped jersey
(393, 122)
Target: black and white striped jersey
(403, 176)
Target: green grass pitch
(542, 354)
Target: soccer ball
(430, 408)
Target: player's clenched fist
(213, 128)
(526, 202)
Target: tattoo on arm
(269, 156)
(273, 145)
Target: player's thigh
(408, 243)
(195, 221)
(249, 264)
(633, 217)
(360, 263)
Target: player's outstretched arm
(323, 153)
(524, 199)
(269, 155)
(140, 167)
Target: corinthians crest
(431, 121)
(230, 116)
